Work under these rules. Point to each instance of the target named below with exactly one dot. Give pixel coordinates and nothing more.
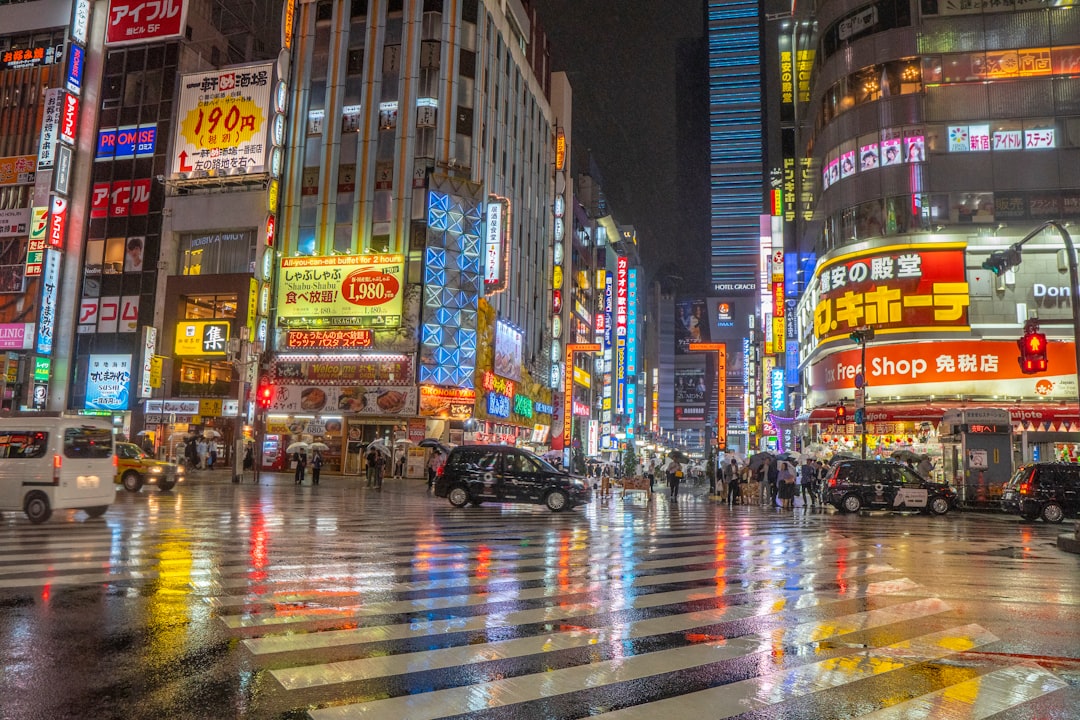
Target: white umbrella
(553, 455)
(297, 447)
(404, 442)
(210, 433)
(380, 445)
(320, 446)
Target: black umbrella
(435, 444)
(678, 455)
(757, 460)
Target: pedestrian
(675, 476)
(734, 482)
(191, 454)
(433, 465)
(301, 462)
(773, 482)
(316, 466)
(249, 460)
(786, 486)
(399, 470)
(808, 483)
(211, 456)
(380, 467)
(369, 459)
(200, 448)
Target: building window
(209, 307)
(12, 265)
(217, 253)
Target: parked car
(884, 485)
(134, 468)
(55, 462)
(499, 473)
(1047, 490)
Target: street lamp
(1001, 261)
(861, 336)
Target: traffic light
(1032, 350)
(264, 396)
(1001, 261)
(841, 415)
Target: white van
(51, 462)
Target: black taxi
(854, 485)
(499, 473)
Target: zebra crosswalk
(406, 608)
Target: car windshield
(1019, 476)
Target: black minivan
(500, 473)
(1047, 490)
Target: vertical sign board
(75, 63)
(631, 324)
(50, 128)
(495, 245)
(622, 279)
(50, 283)
(721, 386)
(568, 389)
(609, 306)
(69, 117)
(79, 28)
(149, 345)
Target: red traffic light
(1032, 352)
(841, 415)
(264, 396)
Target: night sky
(621, 59)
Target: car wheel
(166, 485)
(458, 496)
(96, 511)
(852, 503)
(1052, 513)
(939, 505)
(132, 481)
(556, 501)
(37, 507)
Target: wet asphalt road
(224, 601)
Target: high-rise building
(735, 141)
(939, 132)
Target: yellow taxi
(134, 468)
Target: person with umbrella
(300, 458)
(434, 464)
(674, 477)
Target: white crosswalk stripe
(410, 614)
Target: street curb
(1069, 543)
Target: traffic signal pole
(1003, 260)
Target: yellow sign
(558, 278)
(358, 290)
(210, 408)
(582, 377)
(201, 337)
(560, 150)
(223, 123)
(157, 364)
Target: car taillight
(57, 463)
(1026, 486)
(439, 471)
(832, 481)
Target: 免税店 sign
(943, 367)
(358, 290)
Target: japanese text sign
(222, 121)
(107, 381)
(359, 290)
(133, 21)
(901, 288)
(202, 337)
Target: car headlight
(578, 483)
(157, 470)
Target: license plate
(1008, 495)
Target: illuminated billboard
(507, 350)
(108, 378)
(355, 290)
(632, 324)
(134, 21)
(222, 122)
(496, 257)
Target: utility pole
(861, 336)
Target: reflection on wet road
(223, 601)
